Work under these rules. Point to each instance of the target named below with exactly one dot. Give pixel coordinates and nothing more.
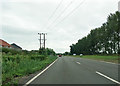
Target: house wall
(5, 46)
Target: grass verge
(14, 66)
(112, 58)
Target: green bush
(11, 51)
(40, 57)
(46, 51)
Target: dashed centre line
(78, 62)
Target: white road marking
(103, 61)
(78, 62)
(39, 73)
(108, 62)
(108, 77)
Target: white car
(74, 54)
(81, 54)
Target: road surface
(71, 70)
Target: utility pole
(42, 40)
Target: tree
(102, 40)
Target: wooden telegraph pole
(42, 40)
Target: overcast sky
(23, 19)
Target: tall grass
(19, 65)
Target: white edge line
(108, 62)
(107, 77)
(39, 73)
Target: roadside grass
(107, 58)
(16, 66)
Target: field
(17, 65)
(112, 58)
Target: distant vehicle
(81, 54)
(60, 55)
(74, 54)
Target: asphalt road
(70, 70)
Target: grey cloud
(22, 21)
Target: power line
(70, 13)
(55, 10)
(61, 13)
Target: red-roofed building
(4, 44)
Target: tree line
(101, 40)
